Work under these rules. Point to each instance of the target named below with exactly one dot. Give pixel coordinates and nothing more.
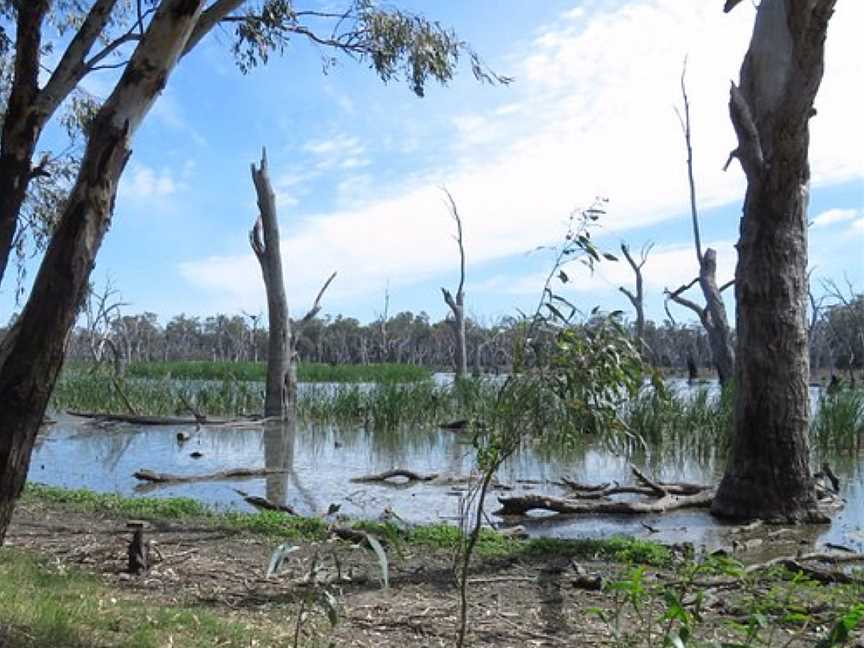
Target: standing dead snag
(281, 390)
(713, 315)
(457, 305)
(767, 474)
(637, 299)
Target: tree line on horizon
(105, 334)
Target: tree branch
(316, 306)
(71, 68)
(211, 17)
(685, 124)
(454, 212)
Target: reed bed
(838, 424)
(256, 371)
(695, 423)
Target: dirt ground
(514, 602)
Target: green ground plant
(47, 605)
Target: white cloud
(833, 216)
(600, 90)
(143, 183)
(336, 146)
(857, 227)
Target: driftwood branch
(234, 473)
(164, 420)
(667, 497)
(410, 475)
(521, 505)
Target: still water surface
(321, 460)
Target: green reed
(838, 423)
(256, 371)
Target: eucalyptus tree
(768, 472)
(149, 38)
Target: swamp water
(320, 461)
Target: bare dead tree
(101, 315)
(767, 472)
(637, 298)
(281, 389)
(845, 300)
(457, 304)
(253, 333)
(384, 317)
(713, 314)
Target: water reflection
(319, 461)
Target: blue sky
(358, 165)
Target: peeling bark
(767, 475)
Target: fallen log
(457, 425)
(521, 505)
(264, 504)
(166, 420)
(410, 475)
(234, 473)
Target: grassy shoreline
(274, 525)
(647, 594)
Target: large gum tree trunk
(32, 354)
(281, 389)
(767, 475)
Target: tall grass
(838, 423)
(256, 371)
(698, 423)
(389, 405)
(381, 405)
(99, 393)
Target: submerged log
(410, 475)
(234, 473)
(168, 420)
(523, 504)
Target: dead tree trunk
(281, 389)
(32, 353)
(713, 314)
(637, 299)
(767, 475)
(280, 398)
(457, 304)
